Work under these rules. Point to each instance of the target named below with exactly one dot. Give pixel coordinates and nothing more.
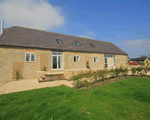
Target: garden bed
(105, 76)
(110, 80)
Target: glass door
(57, 60)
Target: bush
(133, 70)
(87, 65)
(102, 74)
(121, 69)
(112, 72)
(17, 75)
(145, 69)
(117, 71)
(125, 71)
(43, 69)
(139, 70)
(86, 83)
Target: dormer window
(77, 43)
(59, 41)
(92, 45)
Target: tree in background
(143, 56)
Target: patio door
(57, 60)
(110, 63)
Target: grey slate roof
(139, 59)
(26, 37)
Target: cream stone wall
(11, 57)
(122, 60)
(84, 57)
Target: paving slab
(23, 85)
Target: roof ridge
(55, 33)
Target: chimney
(1, 27)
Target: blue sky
(122, 22)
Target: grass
(122, 100)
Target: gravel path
(23, 85)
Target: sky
(125, 23)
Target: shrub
(145, 69)
(117, 71)
(133, 70)
(87, 65)
(86, 83)
(43, 69)
(125, 71)
(142, 63)
(17, 75)
(112, 72)
(121, 69)
(102, 74)
(139, 70)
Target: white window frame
(77, 60)
(96, 60)
(104, 61)
(30, 56)
(57, 57)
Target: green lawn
(121, 100)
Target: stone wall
(12, 59)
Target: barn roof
(27, 37)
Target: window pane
(77, 58)
(60, 53)
(77, 43)
(59, 41)
(105, 65)
(74, 58)
(27, 56)
(93, 45)
(59, 61)
(96, 59)
(54, 53)
(32, 57)
(114, 60)
(54, 62)
(105, 60)
(104, 55)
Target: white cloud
(90, 35)
(39, 14)
(85, 37)
(137, 43)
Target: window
(114, 62)
(105, 62)
(105, 59)
(59, 41)
(92, 45)
(57, 53)
(30, 57)
(95, 59)
(76, 58)
(77, 43)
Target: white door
(57, 60)
(110, 63)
